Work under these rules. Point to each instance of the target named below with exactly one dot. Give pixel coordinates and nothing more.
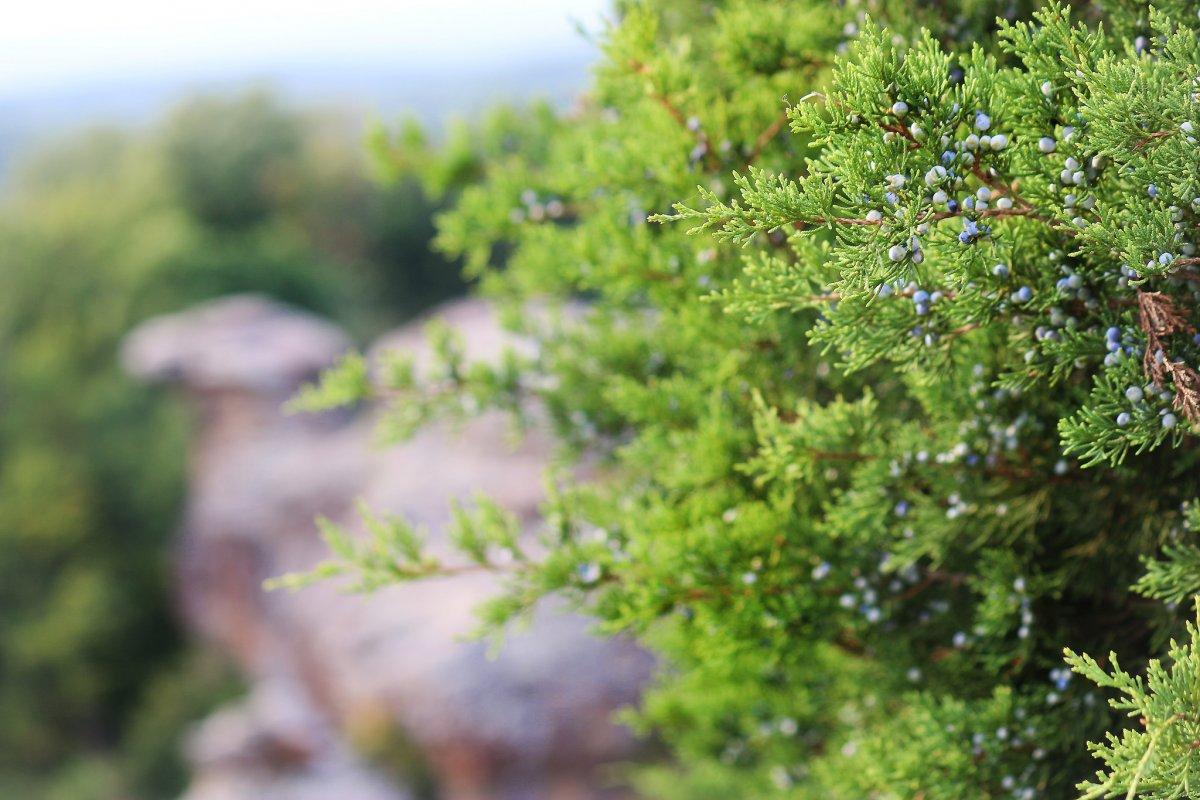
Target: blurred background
(154, 156)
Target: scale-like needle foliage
(883, 321)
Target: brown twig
(896, 127)
(961, 329)
(1003, 188)
(831, 455)
(931, 578)
(991, 213)
(766, 137)
(710, 158)
(1159, 317)
(1150, 138)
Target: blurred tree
(234, 164)
(97, 233)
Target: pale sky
(52, 43)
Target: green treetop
(889, 342)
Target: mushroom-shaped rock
(273, 746)
(246, 342)
(532, 722)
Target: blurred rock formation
(328, 667)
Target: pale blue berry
(589, 572)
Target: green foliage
(233, 163)
(453, 390)
(344, 384)
(1160, 760)
(1176, 576)
(882, 332)
(98, 233)
(179, 694)
(393, 551)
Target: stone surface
(274, 746)
(531, 723)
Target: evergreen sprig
(1158, 758)
(889, 389)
